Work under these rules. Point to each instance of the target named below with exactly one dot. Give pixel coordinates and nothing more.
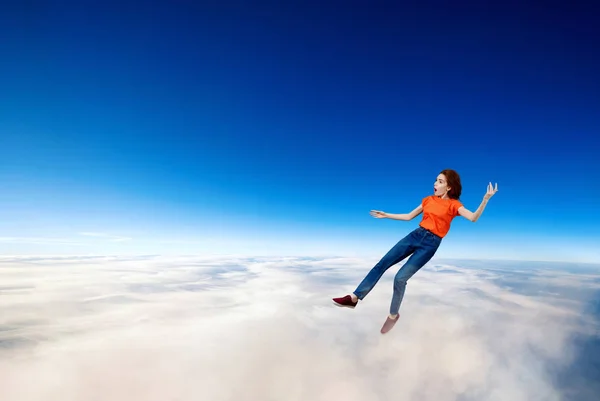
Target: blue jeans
(421, 244)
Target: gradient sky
(261, 128)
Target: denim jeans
(421, 244)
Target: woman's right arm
(403, 216)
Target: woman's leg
(401, 250)
(418, 259)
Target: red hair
(453, 180)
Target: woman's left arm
(474, 216)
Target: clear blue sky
(274, 129)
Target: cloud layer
(188, 328)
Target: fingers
(376, 213)
(491, 189)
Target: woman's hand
(378, 214)
(490, 191)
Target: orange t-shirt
(438, 214)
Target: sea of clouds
(193, 328)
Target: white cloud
(186, 328)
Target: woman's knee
(405, 274)
(400, 280)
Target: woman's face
(440, 187)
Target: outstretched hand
(490, 191)
(378, 214)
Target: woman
(438, 211)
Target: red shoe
(345, 302)
(389, 324)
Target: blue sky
(274, 129)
